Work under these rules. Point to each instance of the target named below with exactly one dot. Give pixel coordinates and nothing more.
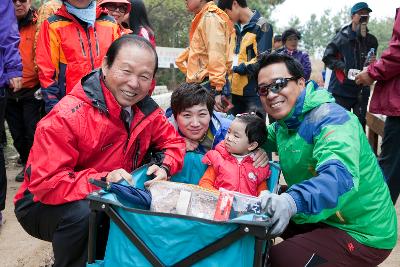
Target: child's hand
(260, 158)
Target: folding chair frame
(259, 232)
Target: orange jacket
(27, 32)
(209, 54)
(66, 51)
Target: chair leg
(92, 237)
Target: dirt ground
(17, 248)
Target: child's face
(194, 6)
(236, 141)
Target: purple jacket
(10, 60)
(302, 57)
(386, 71)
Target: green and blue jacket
(332, 173)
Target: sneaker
(20, 176)
(2, 219)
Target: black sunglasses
(275, 87)
(21, 1)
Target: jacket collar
(253, 21)
(226, 155)
(311, 97)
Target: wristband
(166, 168)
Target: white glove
(280, 208)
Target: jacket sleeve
(331, 54)
(336, 151)
(388, 65)
(181, 60)
(53, 180)
(306, 63)
(48, 60)
(215, 34)
(165, 138)
(9, 41)
(264, 45)
(208, 179)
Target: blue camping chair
(143, 238)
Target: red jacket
(386, 71)
(66, 51)
(84, 137)
(241, 177)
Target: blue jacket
(219, 126)
(10, 60)
(254, 39)
(347, 51)
(302, 57)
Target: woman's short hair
(188, 95)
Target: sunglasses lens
(263, 90)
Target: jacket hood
(226, 155)
(311, 97)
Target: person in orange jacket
(231, 162)
(208, 57)
(23, 109)
(71, 44)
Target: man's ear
(252, 146)
(104, 66)
(301, 82)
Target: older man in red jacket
(386, 100)
(102, 129)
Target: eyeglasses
(275, 87)
(111, 7)
(21, 1)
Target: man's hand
(160, 174)
(117, 175)
(260, 158)
(16, 83)
(191, 145)
(363, 78)
(280, 208)
(218, 104)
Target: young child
(231, 163)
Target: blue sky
(304, 8)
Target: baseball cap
(360, 6)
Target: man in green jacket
(337, 201)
